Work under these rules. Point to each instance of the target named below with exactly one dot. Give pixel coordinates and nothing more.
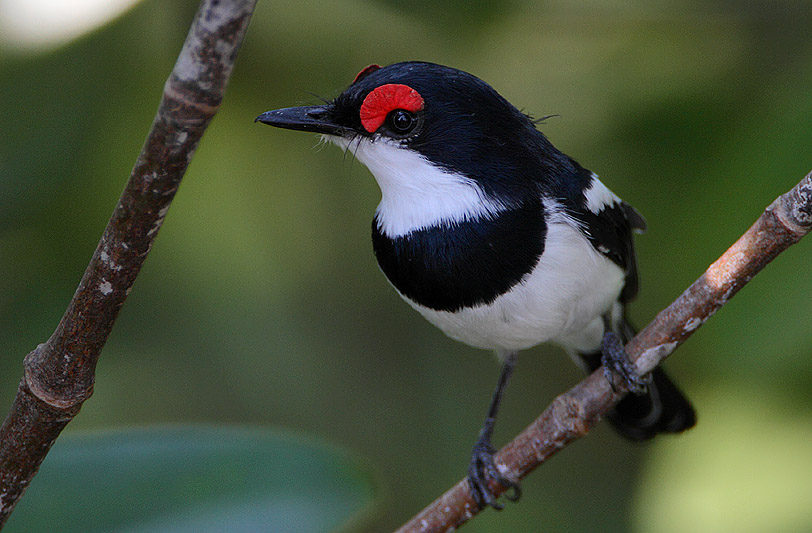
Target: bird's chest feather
(466, 263)
(508, 283)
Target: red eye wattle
(365, 72)
(386, 98)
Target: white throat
(415, 193)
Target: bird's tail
(662, 409)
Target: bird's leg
(616, 361)
(482, 467)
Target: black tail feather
(663, 409)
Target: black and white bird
(493, 235)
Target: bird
(495, 236)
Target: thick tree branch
(59, 374)
(572, 414)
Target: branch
(572, 414)
(59, 374)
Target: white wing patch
(598, 196)
(416, 194)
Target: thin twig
(60, 373)
(572, 414)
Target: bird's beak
(310, 118)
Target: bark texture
(59, 374)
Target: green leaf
(193, 479)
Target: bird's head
(442, 144)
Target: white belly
(562, 300)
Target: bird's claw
(616, 362)
(481, 469)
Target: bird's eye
(401, 122)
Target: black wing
(608, 223)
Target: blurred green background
(261, 302)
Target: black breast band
(463, 264)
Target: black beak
(310, 118)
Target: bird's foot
(616, 362)
(481, 469)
